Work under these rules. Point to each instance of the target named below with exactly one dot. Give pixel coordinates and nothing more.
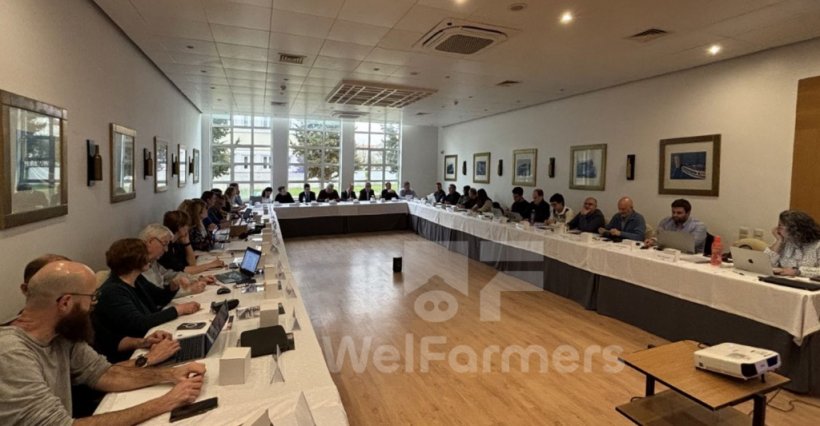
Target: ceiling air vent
(365, 93)
(458, 37)
(422, 113)
(287, 58)
(648, 35)
(508, 83)
(278, 103)
(352, 115)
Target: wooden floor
(352, 294)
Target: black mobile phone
(191, 325)
(194, 409)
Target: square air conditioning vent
(351, 115)
(365, 93)
(457, 37)
(287, 58)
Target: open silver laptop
(753, 261)
(683, 241)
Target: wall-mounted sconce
(630, 167)
(191, 166)
(464, 168)
(95, 166)
(500, 167)
(551, 168)
(174, 165)
(147, 163)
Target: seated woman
(129, 305)
(796, 250)
(200, 238)
(283, 196)
(266, 195)
(483, 203)
(180, 255)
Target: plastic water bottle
(532, 217)
(717, 252)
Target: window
(378, 150)
(314, 155)
(241, 152)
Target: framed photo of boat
(587, 167)
(690, 166)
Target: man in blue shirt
(627, 224)
(681, 221)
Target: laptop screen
(251, 260)
(217, 324)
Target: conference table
(655, 291)
(309, 219)
(302, 371)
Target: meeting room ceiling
(226, 55)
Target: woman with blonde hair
(201, 238)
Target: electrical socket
(759, 233)
(743, 232)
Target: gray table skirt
(330, 225)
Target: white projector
(744, 362)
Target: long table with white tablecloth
(304, 369)
(303, 219)
(673, 299)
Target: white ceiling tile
(338, 49)
(260, 3)
(242, 52)
(237, 15)
(237, 35)
(200, 47)
(245, 65)
(288, 69)
(177, 28)
(373, 12)
(386, 56)
(353, 32)
(400, 40)
(375, 68)
(231, 73)
(340, 64)
(422, 19)
(300, 45)
(192, 59)
(462, 8)
(326, 8)
(188, 10)
(300, 24)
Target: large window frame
(377, 157)
(242, 152)
(314, 154)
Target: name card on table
(273, 289)
(298, 415)
(263, 419)
(667, 255)
(268, 316)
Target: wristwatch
(141, 361)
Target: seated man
(328, 194)
(626, 224)
(366, 193)
(465, 196)
(520, 205)
(307, 195)
(45, 351)
(406, 191)
(388, 193)
(157, 239)
(681, 221)
(349, 194)
(589, 219)
(439, 193)
(472, 199)
(283, 196)
(452, 196)
(539, 209)
(560, 212)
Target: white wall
(419, 151)
(69, 54)
(750, 101)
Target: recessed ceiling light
(376, 69)
(203, 71)
(517, 7)
(446, 76)
(190, 46)
(213, 87)
(714, 49)
(414, 73)
(567, 17)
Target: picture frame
(122, 162)
(33, 160)
(690, 166)
(481, 167)
(161, 165)
(450, 167)
(587, 167)
(182, 161)
(195, 165)
(525, 167)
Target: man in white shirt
(406, 191)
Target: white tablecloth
(301, 211)
(793, 310)
(304, 369)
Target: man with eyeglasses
(589, 218)
(45, 350)
(157, 238)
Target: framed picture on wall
(525, 163)
(450, 167)
(122, 163)
(587, 167)
(195, 165)
(481, 167)
(690, 166)
(182, 157)
(161, 168)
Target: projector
(731, 359)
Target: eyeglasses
(165, 245)
(94, 296)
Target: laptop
(790, 282)
(198, 346)
(753, 261)
(247, 268)
(683, 241)
(515, 217)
